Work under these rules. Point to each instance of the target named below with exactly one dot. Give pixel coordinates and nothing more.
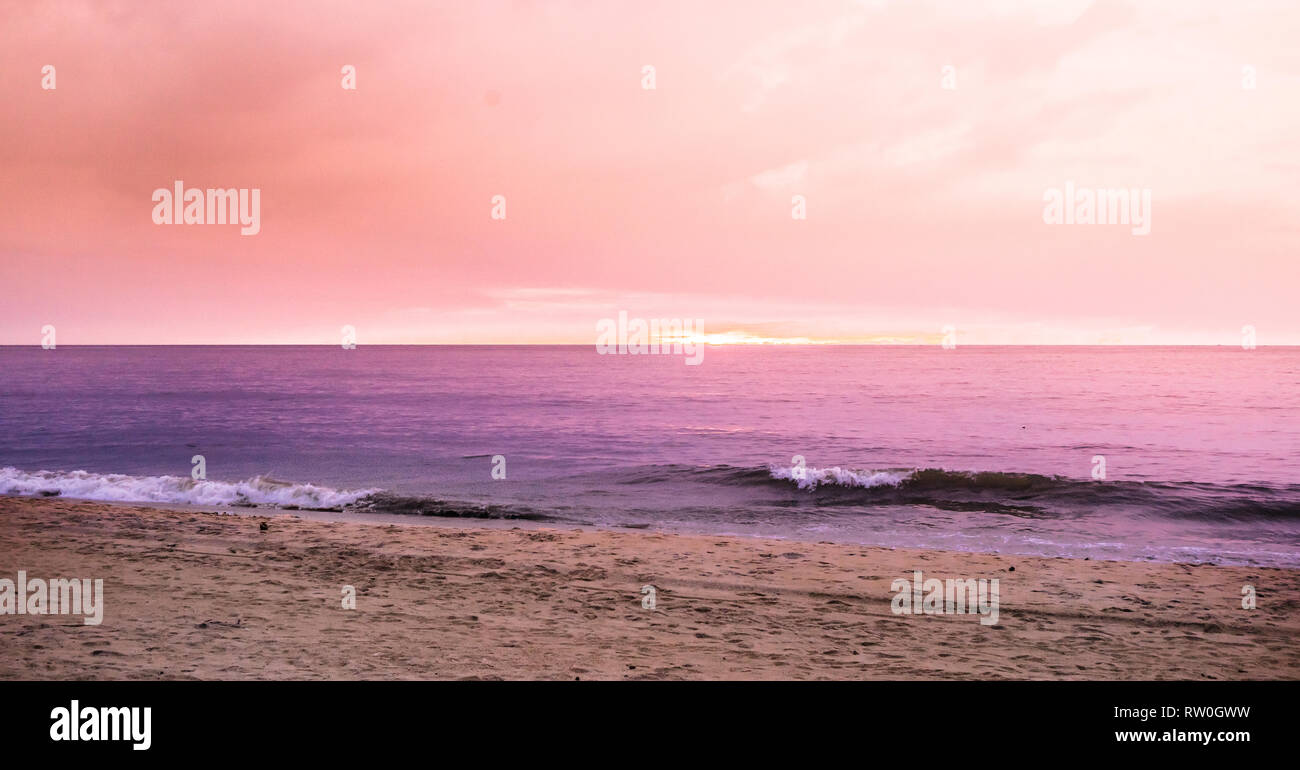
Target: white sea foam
(837, 476)
(117, 487)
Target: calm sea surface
(985, 449)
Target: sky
(923, 139)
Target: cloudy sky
(924, 203)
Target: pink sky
(924, 204)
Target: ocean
(1184, 454)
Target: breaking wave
(811, 478)
(119, 487)
(259, 491)
(779, 487)
(1034, 493)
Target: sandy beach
(215, 596)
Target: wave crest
(120, 487)
(811, 478)
(1035, 494)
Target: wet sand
(202, 595)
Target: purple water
(1199, 444)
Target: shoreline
(193, 594)
(378, 518)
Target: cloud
(920, 198)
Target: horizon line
(589, 344)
